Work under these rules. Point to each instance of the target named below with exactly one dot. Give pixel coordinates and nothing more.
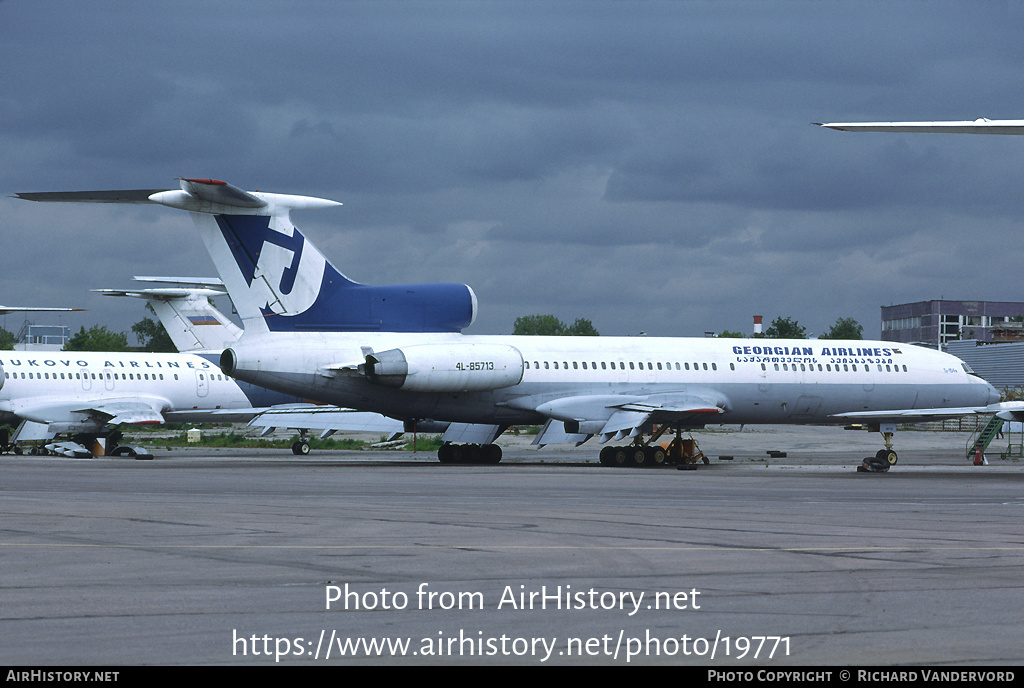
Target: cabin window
(714, 366)
(732, 366)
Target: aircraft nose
(993, 394)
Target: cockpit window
(967, 369)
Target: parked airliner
(196, 326)
(400, 351)
(87, 394)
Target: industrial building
(1000, 363)
(936, 323)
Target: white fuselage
(750, 380)
(67, 386)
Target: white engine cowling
(446, 367)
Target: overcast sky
(650, 166)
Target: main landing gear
(884, 459)
(478, 454)
(680, 452)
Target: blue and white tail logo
(283, 272)
(277, 279)
(294, 287)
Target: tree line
(150, 335)
(787, 328)
(781, 328)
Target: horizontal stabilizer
(213, 283)
(221, 193)
(126, 196)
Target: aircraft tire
(620, 457)
(300, 447)
(492, 454)
(657, 457)
(887, 456)
(639, 457)
(607, 456)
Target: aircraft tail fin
(277, 279)
(192, 322)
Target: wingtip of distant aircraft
(830, 125)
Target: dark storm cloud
(648, 165)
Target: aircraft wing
(613, 417)
(167, 293)
(1007, 410)
(126, 411)
(978, 126)
(326, 418)
(131, 410)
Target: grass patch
(236, 439)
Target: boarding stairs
(983, 437)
